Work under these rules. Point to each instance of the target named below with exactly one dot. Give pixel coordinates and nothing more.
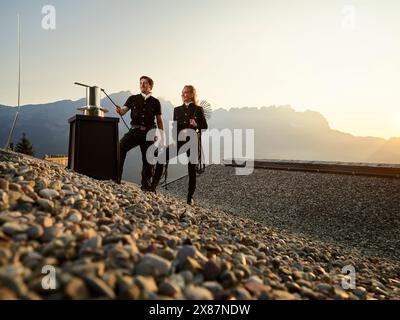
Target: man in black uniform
(187, 116)
(145, 112)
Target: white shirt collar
(187, 103)
(146, 96)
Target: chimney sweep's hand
(118, 110)
(193, 123)
(162, 139)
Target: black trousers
(132, 139)
(161, 166)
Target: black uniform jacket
(143, 112)
(183, 114)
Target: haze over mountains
(280, 133)
(283, 133)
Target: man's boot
(158, 172)
(190, 200)
(154, 184)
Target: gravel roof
(356, 211)
(108, 241)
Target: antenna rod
(19, 86)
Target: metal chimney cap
(93, 107)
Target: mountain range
(281, 132)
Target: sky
(338, 57)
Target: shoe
(153, 189)
(154, 184)
(190, 200)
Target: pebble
(3, 200)
(13, 196)
(12, 228)
(51, 233)
(284, 295)
(189, 251)
(361, 293)
(9, 216)
(25, 198)
(74, 216)
(308, 293)
(240, 294)
(76, 289)
(341, 294)
(91, 244)
(4, 184)
(228, 279)
(55, 185)
(15, 187)
(293, 287)
(186, 251)
(7, 294)
(167, 253)
(36, 231)
(216, 289)
(178, 279)
(48, 193)
(23, 170)
(211, 270)
(153, 265)
(197, 293)
(146, 283)
(99, 288)
(192, 265)
(44, 221)
(46, 204)
(169, 288)
(325, 288)
(256, 288)
(187, 276)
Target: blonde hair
(194, 93)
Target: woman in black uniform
(187, 116)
